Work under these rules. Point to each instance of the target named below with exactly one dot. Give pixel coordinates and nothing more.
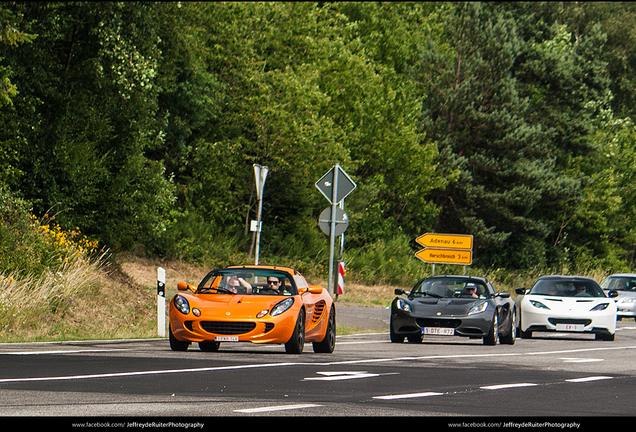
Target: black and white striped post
(161, 302)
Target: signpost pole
(332, 234)
(261, 175)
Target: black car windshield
(450, 288)
(620, 283)
(567, 288)
(247, 282)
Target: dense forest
(137, 124)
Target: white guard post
(161, 302)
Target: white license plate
(570, 327)
(226, 339)
(444, 331)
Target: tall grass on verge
(33, 303)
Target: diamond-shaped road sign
(344, 188)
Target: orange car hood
(247, 304)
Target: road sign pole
(260, 173)
(332, 234)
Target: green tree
(85, 118)
(508, 114)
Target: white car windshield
(567, 288)
(620, 283)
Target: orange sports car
(253, 303)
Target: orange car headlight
(181, 304)
(282, 306)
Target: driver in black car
(470, 290)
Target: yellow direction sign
(450, 241)
(446, 256)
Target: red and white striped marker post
(341, 270)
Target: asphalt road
(567, 378)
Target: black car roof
(480, 278)
(562, 277)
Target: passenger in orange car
(234, 284)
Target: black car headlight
(182, 305)
(402, 305)
(478, 308)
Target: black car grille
(556, 321)
(227, 328)
(438, 322)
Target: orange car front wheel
(328, 344)
(296, 343)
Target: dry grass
(82, 300)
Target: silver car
(625, 284)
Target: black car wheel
(415, 338)
(296, 343)
(209, 346)
(493, 335)
(175, 344)
(328, 344)
(511, 336)
(395, 338)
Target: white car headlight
(538, 304)
(478, 308)
(628, 300)
(282, 306)
(600, 307)
(402, 305)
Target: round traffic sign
(342, 221)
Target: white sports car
(566, 304)
(625, 285)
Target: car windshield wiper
(432, 294)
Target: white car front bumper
(567, 315)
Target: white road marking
(408, 395)
(337, 376)
(579, 360)
(276, 408)
(140, 373)
(505, 386)
(588, 379)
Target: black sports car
(453, 305)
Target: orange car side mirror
(182, 286)
(312, 290)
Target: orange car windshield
(247, 282)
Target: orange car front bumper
(222, 325)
